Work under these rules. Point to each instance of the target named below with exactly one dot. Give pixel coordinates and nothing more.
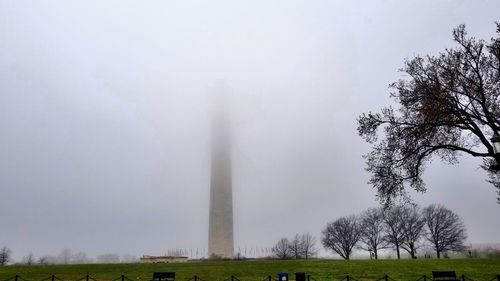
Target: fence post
(463, 277)
(271, 279)
(232, 277)
(498, 277)
(386, 277)
(87, 277)
(17, 277)
(425, 277)
(309, 277)
(347, 277)
(123, 277)
(195, 278)
(53, 277)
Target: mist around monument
(123, 124)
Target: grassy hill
(475, 269)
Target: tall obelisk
(220, 233)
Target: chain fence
(268, 278)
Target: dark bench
(444, 276)
(163, 276)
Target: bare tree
(43, 260)
(448, 105)
(372, 230)
(282, 249)
(296, 247)
(393, 224)
(29, 259)
(446, 231)
(309, 245)
(80, 258)
(342, 235)
(64, 256)
(413, 229)
(5, 255)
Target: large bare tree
(448, 105)
(342, 235)
(413, 223)
(393, 225)
(282, 249)
(446, 231)
(372, 230)
(5, 255)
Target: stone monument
(220, 233)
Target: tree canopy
(342, 235)
(446, 230)
(447, 104)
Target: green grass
(321, 270)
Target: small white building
(163, 259)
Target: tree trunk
(375, 254)
(397, 251)
(412, 251)
(438, 254)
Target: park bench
(444, 276)
(163, 276)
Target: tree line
(405, 228)
(66, 256)
(402, 228)
(299, 247)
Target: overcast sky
(104, 104)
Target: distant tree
(342, 235)
(413, 223)
(372, 230)
(43, 260)
(29, 259)
(309, 245)
(64, 256)
(296, 247)
(448, 104)
(108, 258)
(5, 255)
(80, 258)
(282, 249)
(446, 231)
(394, 230)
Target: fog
(104, 118)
